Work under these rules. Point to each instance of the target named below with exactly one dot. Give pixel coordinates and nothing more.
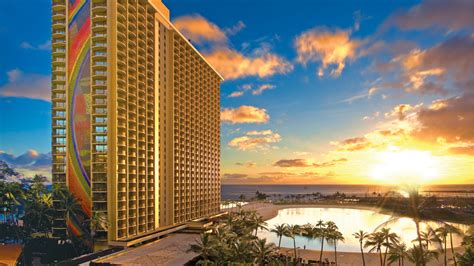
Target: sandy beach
(269, 211)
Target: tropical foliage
(234, 240)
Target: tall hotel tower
(136, 118)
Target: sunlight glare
(405, 167)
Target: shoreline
(345, 258)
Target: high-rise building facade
(136, 117)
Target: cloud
(263, 88)
(235, 29)
(199, 29)
(236, 94)
(247, 164)
(245, 114)
(364, 95)
(255, 140)
(400, 111)
(26, 85)
(433, 70)
(232, 64)
(279, 178)
(329, 48)
(375, 140)
(452, 15)
(29, 163)
(466, 150)
(330, 163)
(292, 163)
(46, 46)
(452, 120)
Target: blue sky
(309, 118)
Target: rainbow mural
(79, 106)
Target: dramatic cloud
(245, 114)
(433, 70)
(255, 140)
(329, 48)
(449, 15)
(292, 163)
(29, 163)
(199, 29)
(26, 85)
(263, 88)
(232, 64)
(451, 119)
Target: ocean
(232, 192)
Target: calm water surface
(348, 221)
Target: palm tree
(430, 237)
(279, 230)
(452, 230)
(334, 235)
(71, 207)
(291, 232)
(98, 221)
(442, 233)
(258, 223)
(420, 256)
(263, 252)
(375, 242)
(322, 233)
(390, 240)
(204, 246)
(467, 258)
(398, 253)
(361, 236)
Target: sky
(315, 92)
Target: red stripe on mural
(77, 43)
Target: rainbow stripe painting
(79, 106)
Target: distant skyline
(316, 92)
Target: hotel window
(100, 120)
(101, 148)
(101, 129)
(100, 82)
(59, 95)
(100, 139)
(60, 104)
(100, 101)
(61, 141)
(60, 122)
(60, 149)
(100, 110)
(60, 113)
(60, 131)
(99, 91)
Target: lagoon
(349, 221)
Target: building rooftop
(171, 250)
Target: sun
(397, 166)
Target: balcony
(99, 17)
(59, 33)
(99, 36)
(58, 24)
